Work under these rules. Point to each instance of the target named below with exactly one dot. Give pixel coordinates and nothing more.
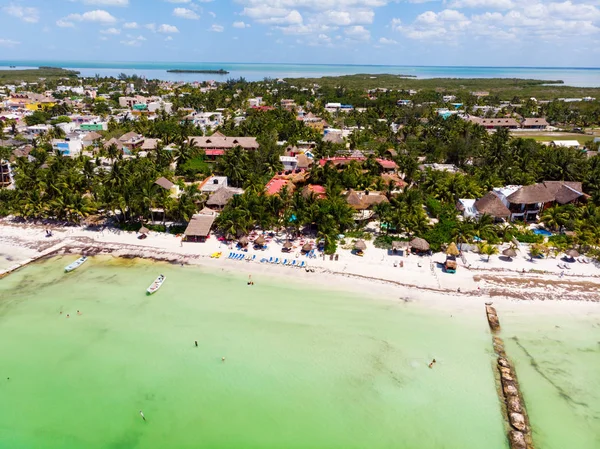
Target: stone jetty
(48, 252)
(513, 406)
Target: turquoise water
(557, 358)
(584, 77)
(304, 368)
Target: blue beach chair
(230, 255)
(302, 264)
(276, 261)
(270, 260)
(285, 262)
(294, 263)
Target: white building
(255, 102)
(289, 162)
(213, 183)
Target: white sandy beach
(374, 273)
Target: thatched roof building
(452, 250)
(509, 252)
(164, 183)
(221, 197)
(260, 240)
(199, 228)
(533, 194)
(492, 205)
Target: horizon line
(299, 64)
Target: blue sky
(408, 32)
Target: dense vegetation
(51, 186)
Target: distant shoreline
(213, 72)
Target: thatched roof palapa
(243, 241)
(452, 250)
(491, 205)
(572, 253)
(144, 230)
(509, 252)
(419, 244)
(396, 244)
(221, 197)
(260, 240)
(164, 183)
(307, 247)
(533, 194)
(360, 245)
(200, 225)
(288, 245)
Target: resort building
(200, 225)
(216, 145)
(212, 184)
(535, 124)
(131, 141)
(494, 123)
(490, 204)
(565, 143)
(219, 199)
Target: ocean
(304, 367)
(581, 77)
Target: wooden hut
(199, 227)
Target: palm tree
(555, 217)
(488, 250)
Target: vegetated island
(33, 75)
(213, 72)
(502, 87)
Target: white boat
(156, 284)
(79, 262)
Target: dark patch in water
(561, 392)
(128, 441)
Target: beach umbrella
(144, 230)
(307, 247)
(419, 244)
(452, 250)
(360, 245)
(572, 253)
(243, 241)
(288, 245)
(260, 240)
(509, 252)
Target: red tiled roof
(275, 185)
(387, 164)
(215, 152)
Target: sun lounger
(302, 264)
(270, 260)
(251, 259)
(294, 263)
(263, 260)
(276, 261)
(230, 255)
(285, 262)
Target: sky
(388, 32)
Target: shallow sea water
(304, 368)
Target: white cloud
(386, 41)
(64, 23)
(184, 13)
(482, 4)
(241, 25)
(9, 43)
(131, 25)
(107, 2)
(169, 38)
(26, 14)
(134, 42)
(113, 31)
(178, 1)
(344, 18)
(151, 27)
(167, 29)
(98, 15)
(274, 16)
(358, 32)
(217, 28)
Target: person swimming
(196, 343)
(222, 359)
(432, 363)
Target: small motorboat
(79, 262)
(156, 284)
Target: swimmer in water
(222, 359)
(196, 343)
(78, 312)
(67, 315)
(432, 363)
